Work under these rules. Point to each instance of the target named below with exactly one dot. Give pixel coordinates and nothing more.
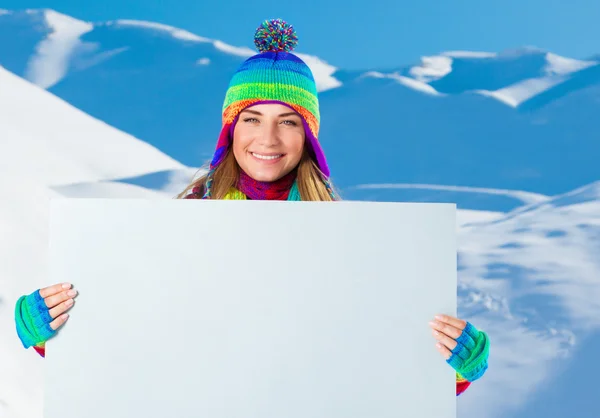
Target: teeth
(267, 157)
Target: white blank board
(251, 309)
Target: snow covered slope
(45, 143)
(44, 136)
(532, 278)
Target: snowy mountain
(131, 108)
(533, 277)
(504, 120)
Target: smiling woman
(268, 147)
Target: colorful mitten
(470, 357)
(33, 322)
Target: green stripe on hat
(274, 75)
(273, 91)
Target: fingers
(446, 341)
(61, 308)
(443, 351)
(58, 299)
(446, 330)
(59, 322)
(53, 301)
(54, 289)
(450, 320)
(449, 330)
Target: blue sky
(387, 33)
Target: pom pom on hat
(275, 35)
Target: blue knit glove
(32, 318)
(470, 356)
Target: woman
(268, 149)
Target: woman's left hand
(446, 329)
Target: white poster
(251, 309)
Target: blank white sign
(251, 309)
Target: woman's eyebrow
(252, 111)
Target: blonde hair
(312, 184)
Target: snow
(51, 62)
(51, 150)
(203, 61)
(177, 180)
(432, 68)
(22, 263)
(49, 144)
(93, 59)
(517, 93)
(61, 144)
(466, 217)
(322, 72)
(406, 81)
(469, 54)
(416, 85)
(107, 189)
(544, 252)
(525, 197)
(522, 51)
(175, 32)
(557, 70)
(243, 52)
(561, 65)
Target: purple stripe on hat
(222, 146)
(313, 142)
(277, 56)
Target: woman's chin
(265, 176)
(267, 173)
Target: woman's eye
(250, 120)
(290, 122)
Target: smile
(267, 157)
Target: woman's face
(268, 141)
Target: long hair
(312, 184)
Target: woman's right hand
(41, 313)
(58, 298)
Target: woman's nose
(268, 135)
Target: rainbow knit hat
(274, 75)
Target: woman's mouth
(266, 157)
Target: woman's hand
(446, 329)
(58, 298)
(41, 313)
(462, 345)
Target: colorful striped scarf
(286, 188)
(262, 190)
(235, 194)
